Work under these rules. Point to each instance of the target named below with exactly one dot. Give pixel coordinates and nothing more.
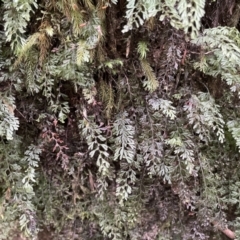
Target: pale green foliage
(124, 131)
(234, 128)
(61, 109)
(183, 14)
(73, 13)
(237, 228)
(142, 49)
(111, 64)
(139, 11)
(31, 161)
(150, 83)
(96, 145)
(10, 156)
(83, 54)
(182, 145)
(21, 181)
(101, 145)
(26, 47)
(220, 54)
(211, 184)
(17, 16)
(114, 220)
(203, 113)
(165, 106)
(90, 37)
(125, 151)
(153, 152)
(8, 122)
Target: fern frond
(31, 41)
(31, 81)
(8, 122)
(234, 127)
(83, 54)
(151, 83)
(139, 11)
(16, 18)
(165, 106)
(182, 14)
(224, 45)
(142, 49)
(204, 115)
(74, 13)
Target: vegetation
(119, 119)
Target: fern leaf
(142, 49)
(151, 83)
(31, 41)
(83, 54)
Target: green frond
(182, 14)
(31, 81)
(82, 54)
(142, 49)
(31, 41)
(165, 106)
(8, 122)
(185, 15)
(151, 83)
(221, 54)
(16, 17)
(103, 140)
(234, 128)
(74, 13)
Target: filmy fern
(142, 49)
(138, 12)
(17, 16)
(116, 161)
(234, 128)
(221, 54)
(8, 122)
(165, 106)
(96, 145)
(203, 112)
(28, 220)
(183, 14)
(150, 83)
(125, 150)
(83, 54)
(183, 148)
